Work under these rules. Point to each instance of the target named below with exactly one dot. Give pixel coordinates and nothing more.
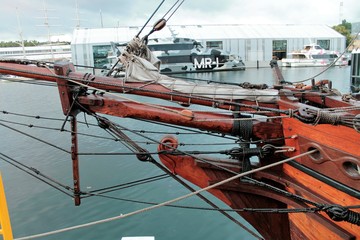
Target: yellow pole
(5, 225)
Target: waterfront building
(255, 44)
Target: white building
(40, 53)
(255, 44)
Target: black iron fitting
(103, 124)
(144, 156)
(339, 213)
(237, 152)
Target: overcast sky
(62, 14)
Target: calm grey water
(36, 207)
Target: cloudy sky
(28, 16)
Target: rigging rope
(145, 156)
(37, 117)
(38, 139)
(37, 174)
(121, 216)
(262, 210)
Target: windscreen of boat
(297, 56)
(168, 47)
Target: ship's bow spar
(306, 180)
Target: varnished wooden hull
(240, 195)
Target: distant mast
(20, 33)
(47, 25)
(341, 6)
(77, 15)
(101, 20)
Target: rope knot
(339, 213)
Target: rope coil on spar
(121, 216)
(327, 118)
(335, 118)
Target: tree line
(27, 43)
(345, 29)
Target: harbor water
(35, 207)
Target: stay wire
(113, 138)
(249, 179)
(152, 160)
(35, 138)
(29, 116)
(57, 130)
(174, 10)
(196, 157)
(158, 7)
(38, 175)
(34, 82)
(122, 216)
(262, 210)
(189, 129)
(126, 185)
(219, 135)
(113, 126)
(202, 197)
(38, 117)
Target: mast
(20, 33)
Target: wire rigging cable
(121, 216)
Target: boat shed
(255, 44)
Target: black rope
(37, 174)
(57, 130)
(256, 210)
(222, 136)
(29, 116)
(249, 179)
(340, 213)
(145, 156)
(127, 185)
(220, 167)
(38, 139)
(201, 159)
(190, 131)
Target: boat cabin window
(214, 44)
(324, 56)
(298, 56)
(167, 47)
